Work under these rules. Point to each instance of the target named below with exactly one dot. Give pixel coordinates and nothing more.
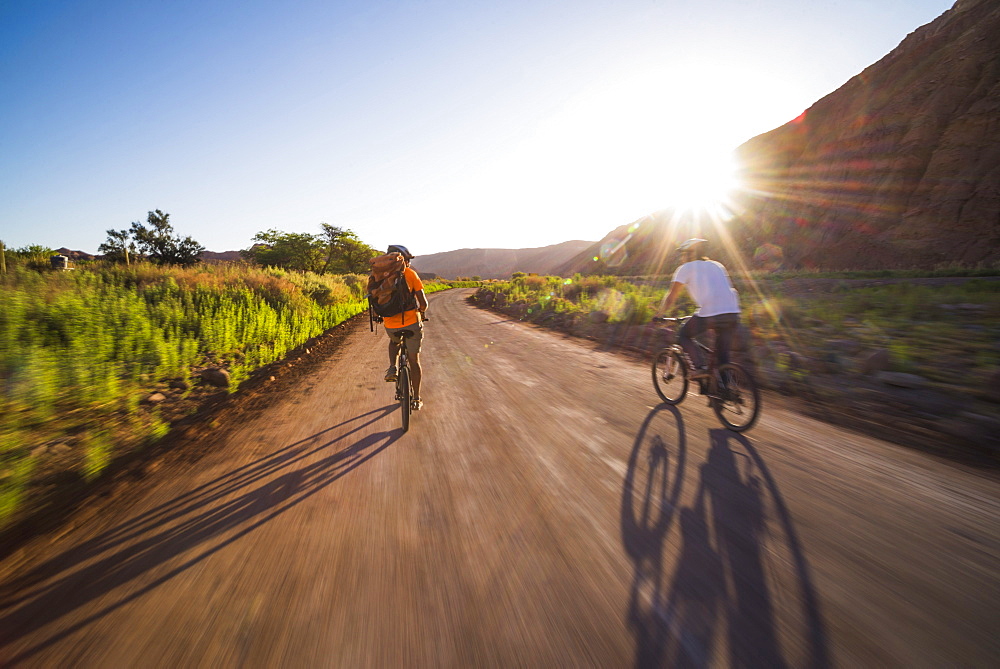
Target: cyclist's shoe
(416, 404)
(699, 373)
(390, 374)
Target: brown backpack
(388, 292)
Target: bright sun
(700, 181)
(645, 142)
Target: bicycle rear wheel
(403, 394)
(738, 402)
(670, 376)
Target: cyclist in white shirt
(707, 281)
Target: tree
(345, 252)
(335, 250)
(333, 237)
(159, 243)
(356, 254)
(290, 250)
(118, 246)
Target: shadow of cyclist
(712, 600)
(197, 525)
(743, 495)
(736, 511)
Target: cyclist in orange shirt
(411, 318)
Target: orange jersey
(407, 317)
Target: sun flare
(700, 181)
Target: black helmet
(398, 248)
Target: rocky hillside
(499, 263)
(898, 168)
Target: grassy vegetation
(80, 349)
(946, 333)
(537, 296)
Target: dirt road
(543, 511)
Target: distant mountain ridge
(220, 256)
(499, 263)
(898, 168)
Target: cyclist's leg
(413, 349)
(694, 327)
(393, 350)
(394, 340)
(725, 328)
(415, 374)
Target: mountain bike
(404, 391)
(731, 390)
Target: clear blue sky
(436, 124)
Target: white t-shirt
(710, 287)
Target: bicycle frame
(712, 391)
(710, 358)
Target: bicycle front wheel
(738, 401)
(670, 376)
(403, 393)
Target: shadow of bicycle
(710, 565)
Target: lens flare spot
(614, 252)
(768, 256)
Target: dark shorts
(413, 343)
(724, 326)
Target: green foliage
(79, 349)
(16, 467)
(434, 285)
(98, 448)
(335, 250)
(157, 242)
(543, 296)
(33, 256)
(345, 252)
(289, 250)
(119, 247)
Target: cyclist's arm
(417, 286)
(670, 298)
